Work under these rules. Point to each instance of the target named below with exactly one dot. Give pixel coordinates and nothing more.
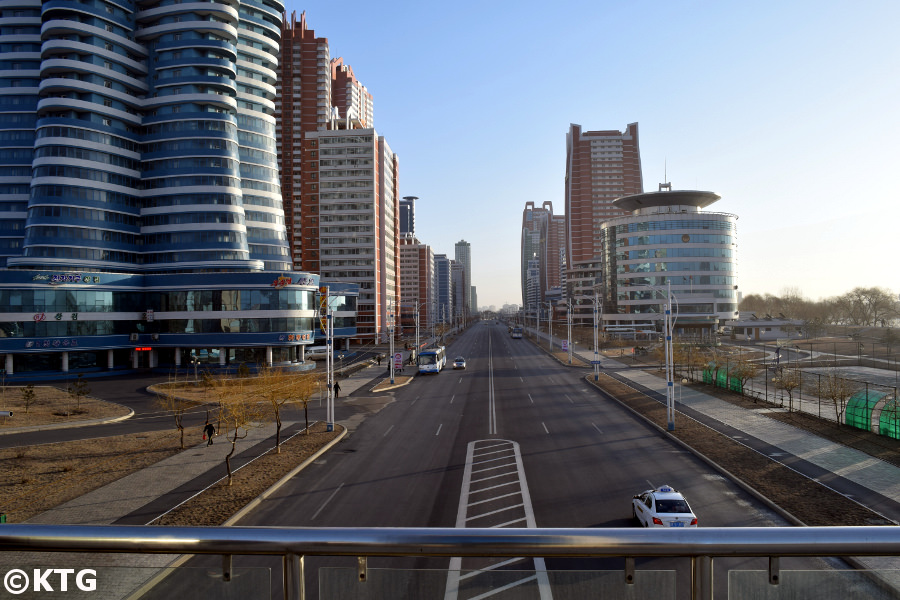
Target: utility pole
(569, 326)
(390, 328)
(596, 360)
(329, 361)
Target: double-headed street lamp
(668, 324)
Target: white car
(459, 363)
(662, 507)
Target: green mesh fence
(859, 408)
(889, 422)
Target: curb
(740, 483)
(163, 572)
(256, 501)
(73, 425)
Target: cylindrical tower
(668, 242)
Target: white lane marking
(439, 429)
(388, 431)
(522, 380)
(569, 399)
(597, 428)
(327, 500)
(492, 403)
(451, 398)
(460, 380)
(530, 398)
(545, 427)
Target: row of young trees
(243, 403)
(861, 306)
(829, 387)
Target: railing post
(294, 581)
(701, 578)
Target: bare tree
(79, 390)
(28, 396)
(303, 387)
(238, 411)
(789, 380)
(743, 369)
(273, 386)
(167, 398)
(837, 390)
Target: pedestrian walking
(337, 389)
(208, 432)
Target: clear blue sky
(788, 110)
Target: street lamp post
(329, 362)
(550, 326)
(668, 325)
(597, 308)
(569, 327)
(391, 338)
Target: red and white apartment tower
(600, 167)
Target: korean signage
(295, 337)
(58, 278)
(58, 343)
(283, 281)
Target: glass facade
(141, 137)
(666, 243)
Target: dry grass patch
(53, 405)
(34, 479)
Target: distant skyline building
(458, 278)
(666, 239)
(444, 287)
(417, 283)
(463, 256)
(543, 238)
(408, 215)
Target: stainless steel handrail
(406, 541)
(701, 543)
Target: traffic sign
(596, 362)
(398, 360)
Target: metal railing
(701, 545)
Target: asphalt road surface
(514, 440)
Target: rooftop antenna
(667, 185)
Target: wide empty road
(514, 440)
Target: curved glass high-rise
(154, 136)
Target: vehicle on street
(662, 507)
(459, 363)
(432, 360)
(516, 332)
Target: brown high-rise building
(543, 240)
(600, 167)
(303, 104)
(351, 98)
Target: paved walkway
(139, 498)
